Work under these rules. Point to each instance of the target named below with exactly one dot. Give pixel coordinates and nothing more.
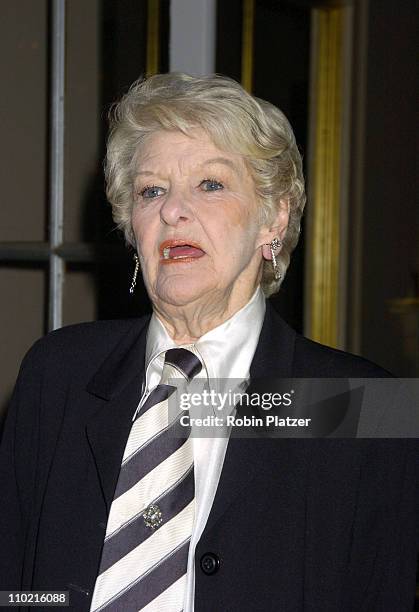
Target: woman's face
(195, 219)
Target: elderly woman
(99, 497)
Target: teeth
(166, 253)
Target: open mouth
(180, 251)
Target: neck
(187, 323)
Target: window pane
(79, 296)
(23, 74)
(106, 52)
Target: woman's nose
(176, 209)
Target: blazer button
(210, 563)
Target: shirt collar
(227, 350)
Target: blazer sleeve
(18, 470)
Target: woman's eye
(152, 191)
(211, 185)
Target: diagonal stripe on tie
(153, 419)
(164, 601)
(145, 552)
(142, 494)
(121, 543)
(160, 447)
(136, 566)
(156, 582)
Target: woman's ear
(277, 229)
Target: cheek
(145, 233)
(244, 213)
(236, 215)
(244, 226)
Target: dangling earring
(274, 246)
(134, 278)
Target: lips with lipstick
(180, 251)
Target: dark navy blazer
(297, 525)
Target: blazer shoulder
(313, 359)
(283, 352)
(82, 343)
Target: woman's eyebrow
(222, 160)
(143, 172)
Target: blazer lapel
(117, 384)
(247, 458)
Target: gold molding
(325, 176)
(153, 36)
(247, 44)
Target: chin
(182, 290)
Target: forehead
(174, 147)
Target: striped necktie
(145, 552)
